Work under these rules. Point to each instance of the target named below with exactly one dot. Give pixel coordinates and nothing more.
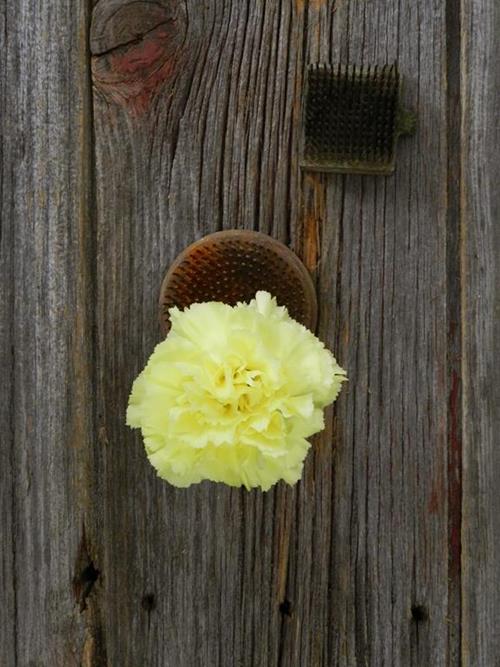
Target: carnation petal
(232, 394)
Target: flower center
(244, 403)
(237, 387)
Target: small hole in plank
(419, 613)
(148, 602)
(83, 584)
(86, 574)
(89, 575)
(286, 608)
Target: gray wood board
(47, 404)
(481, 332)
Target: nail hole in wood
(286, 608)
(83, 584)
(419, 613)
(86, 574)
(148, 602)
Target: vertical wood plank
(7, 482)
(378, 248)
(44, 429)
(194, 576)
(481, 331)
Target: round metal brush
(231, 266)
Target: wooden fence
(130, 129)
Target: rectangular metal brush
(352, 119)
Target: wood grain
(211, 152)
(481, 332)
(47, 406)
(129, 130)
(382, 280)
(328, 572)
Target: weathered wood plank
(481, 331)
(380, 250)
(363, 539)
(46, 403)
(7, 480)
(211, 152)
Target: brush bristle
(232, 266)
(350, 118)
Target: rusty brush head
(231, 266)
(352, 119)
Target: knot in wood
(133, 47)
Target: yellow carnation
(232, 394)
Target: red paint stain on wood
(314, 210)
(345, 335)
(454, 475)
(131, 75)
(436, 504)
(312, 4)
(317, 4)
(433, 504)
(311, 242)
(141, 57)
